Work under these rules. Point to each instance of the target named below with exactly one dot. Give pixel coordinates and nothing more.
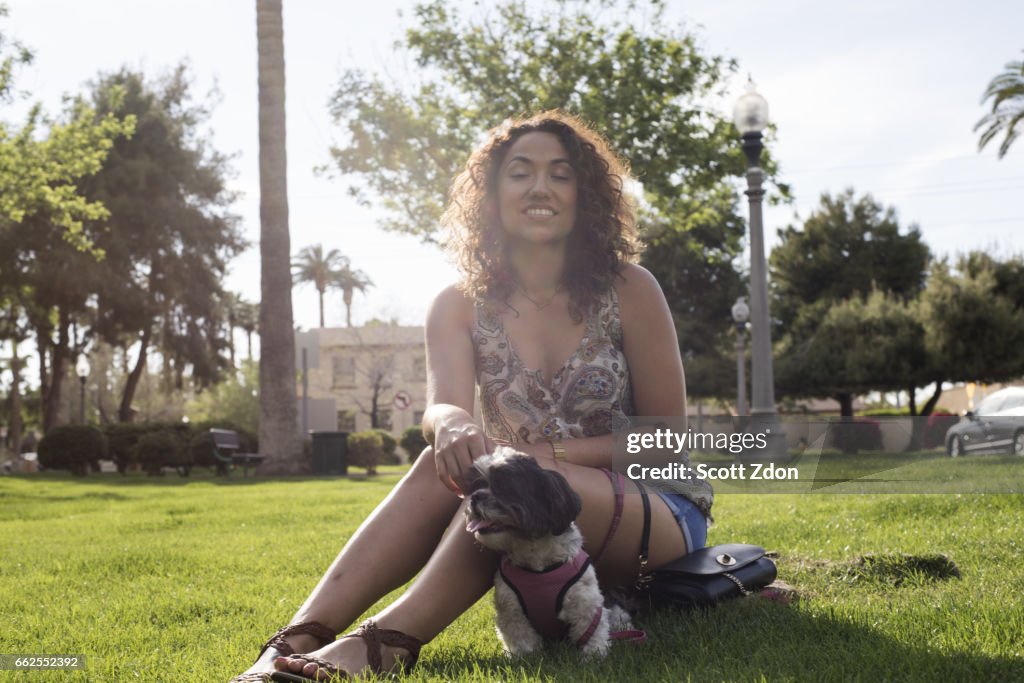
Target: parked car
(997, 426)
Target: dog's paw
(596, 648)
(618, 619)
(519, 642)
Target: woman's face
(537, 190)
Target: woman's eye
(560, 177)
(517, 176)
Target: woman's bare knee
(424, 464)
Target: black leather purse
(704, 577)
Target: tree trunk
(321, 292)
(919, 422)
(58, 362)
(15, 432)
(346, 295)
(845, 404)
(248, 341)
(124, 413)
(278, 429)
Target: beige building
(356, 371)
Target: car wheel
(955, 448)
(1018, 444)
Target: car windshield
(991, 404)
(1012, 402)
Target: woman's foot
(297, 642)
(368, 650)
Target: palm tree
(247, 318)
(348, 281)
(312, 266)
(279, 442)
(1007, 93)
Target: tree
(13, 328)
(975, 327)
(233, 401)
(348, 281)
(842, 289)
(841, 349)
(316, 268)
(279, 442)
(247, 318)
(848, 246)
(169, 235)
(643, 87)
(1007, 94)
(43, 210)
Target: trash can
(329, 449)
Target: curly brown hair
(603, 238)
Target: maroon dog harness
(541, 593)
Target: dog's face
(513, 497)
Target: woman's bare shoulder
(637, 288)
(451, 304)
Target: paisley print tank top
(589, 395)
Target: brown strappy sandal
(277, 641)
(373, 637)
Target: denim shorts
(691, 520)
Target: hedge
(389, 446)
(365, 449)
(73, 448)
(413, 442)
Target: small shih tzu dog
(545, 588)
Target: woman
(565, 338)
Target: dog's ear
(472, 480)
(564, 503)
(554, 504)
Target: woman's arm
(655, 367)
(651, 346)
(448, 421)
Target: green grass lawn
(182, 579)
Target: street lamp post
(740, 315)
(751, 116)
(82, 369)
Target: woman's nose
(539, 187)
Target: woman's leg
(461, 571)
(387, 550)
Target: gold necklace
(543, 303)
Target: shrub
(413, 442)
(73, 448)
(860, 434)
(388, 448)
(365, 450)
(122, 438)
(164, 446)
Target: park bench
(227, 451)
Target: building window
(419, 368)
(417, 418)
(384, 418)
(346, 421)
(343, 371)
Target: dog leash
(619, 486)
(632, 636)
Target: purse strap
(643, 579)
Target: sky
(878, 95)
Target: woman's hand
(458, 441)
